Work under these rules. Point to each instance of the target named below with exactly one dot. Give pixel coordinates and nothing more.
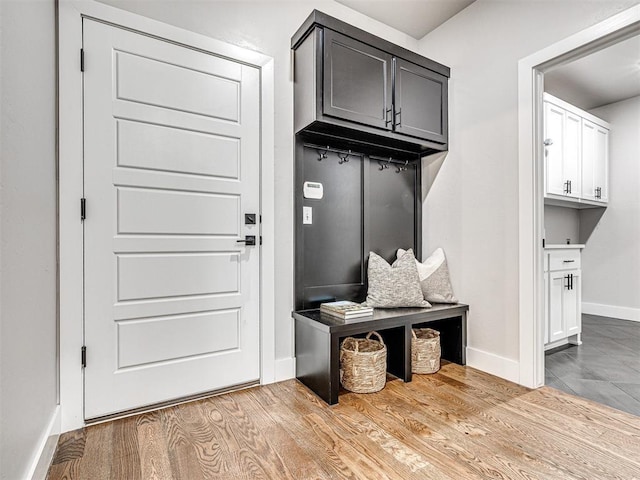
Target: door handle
(398, 122)
(248, 240)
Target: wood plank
(126, 457)
(456, 424)
(152, 446)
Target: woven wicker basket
(363, 364)
(425, 350)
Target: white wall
(267, 27)
(472, 207)
(28, 231)
(560, 224)
(611, 259)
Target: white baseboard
(46, 448)
(494, 364)
(285, 368)
(612, 311)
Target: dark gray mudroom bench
(318, 339)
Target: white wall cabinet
(595, 162)
(563, 296)
(576, 156)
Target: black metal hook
(344, 157)
(323, 154)
(402, 168)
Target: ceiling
(413, 17)
(604, 77)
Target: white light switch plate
(307, 215)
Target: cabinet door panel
(554, 139)
(546, 309)
(357, 81)
(601, 165)
(588, 159)
(557, 287)
(420, 106)
(571, 157)
(595, 162)
(572, 307)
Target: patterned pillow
(394, 285)
(434, 277)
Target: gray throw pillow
(396, 285)
(434, 277)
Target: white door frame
(531, 206)
(70, 150)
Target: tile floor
(605, 368)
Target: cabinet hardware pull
(387, 116)
(399, 116)
(548, 142)
(568, 261)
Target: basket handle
(376, 334)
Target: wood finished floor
(458, 424)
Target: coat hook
(322, 154)
(402, 168)
(344, 157)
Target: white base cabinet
(563, 296)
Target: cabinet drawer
(564, 260)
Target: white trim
(70, 174)
(46, 448)
(530, 72)
(494, 364)
(285, 369)
(611, 311)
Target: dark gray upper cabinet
(357, 81)
(420, 102)
(353, 85)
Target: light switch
(307, 215)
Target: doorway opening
(532, 70)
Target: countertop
(564, 246)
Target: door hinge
(82, 59)
(83, 209)
(83, 356)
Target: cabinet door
(572, 153)
(357, 81)
(546, 309)
(557, 287)
(595, 162)
(553, 152)
(572, 304)
(589, 154)
(420, 102)
(601, 165)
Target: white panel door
(171, 167)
